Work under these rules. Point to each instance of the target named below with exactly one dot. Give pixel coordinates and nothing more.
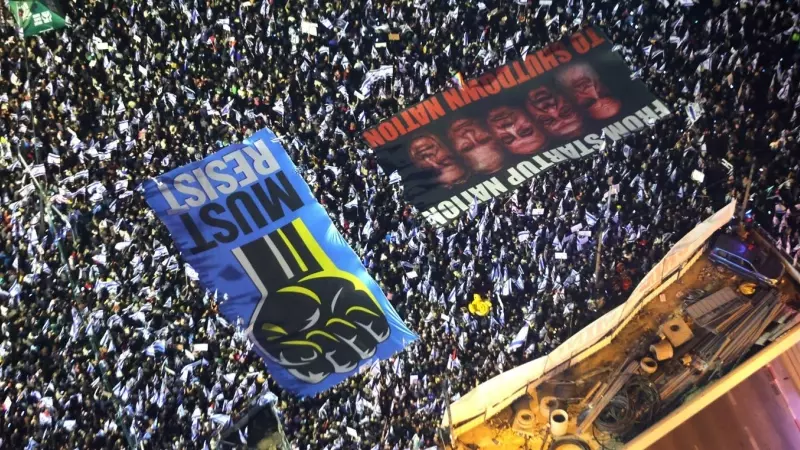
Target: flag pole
(600, 237)
(746, 196)
(451, 437)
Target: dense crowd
(100, 320)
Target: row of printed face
(482, 145)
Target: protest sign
(308, 28)
(485, 138)
(250, 227)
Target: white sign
(561, 255)
(537, 211)
(308, 28)
(576, 228)
(197, 348)
(698, 176)
(585, 233)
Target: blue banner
(249, 225)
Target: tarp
(482, 402)
(248, 224)
(35, 17)
(492, 134)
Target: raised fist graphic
(313, 319)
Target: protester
(109, 341)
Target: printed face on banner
(428, 152)
(556, 115)
(249, 225)
(476, 146)
(516, 130)
(512, 123)
(586, 89)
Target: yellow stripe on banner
(321, 333)
(341, 321)
(362, 309)
(313, 246)
(329, 269)
(302, 291)
(304, 344)
(273, 328)
(297, 258)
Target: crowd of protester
(100, 321)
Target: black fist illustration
(325, 323)
(313, 319)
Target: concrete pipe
(524, 421)
(547, 405)
(559, 420)
(662, 350)
(648, 365)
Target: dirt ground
(496, 434)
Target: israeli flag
(158, 346)
(693, 112)
(520, 338)
(473, 209)
(591, 219)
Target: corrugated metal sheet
(714, 301)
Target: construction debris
(676, 331)
(662, 350)
(524, 422)
(735, 324)
(710, 303)
(603, 396)
(726, 326)
(729, 347)
(718, 310)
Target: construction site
(691, 329)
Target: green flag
(36, 17)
